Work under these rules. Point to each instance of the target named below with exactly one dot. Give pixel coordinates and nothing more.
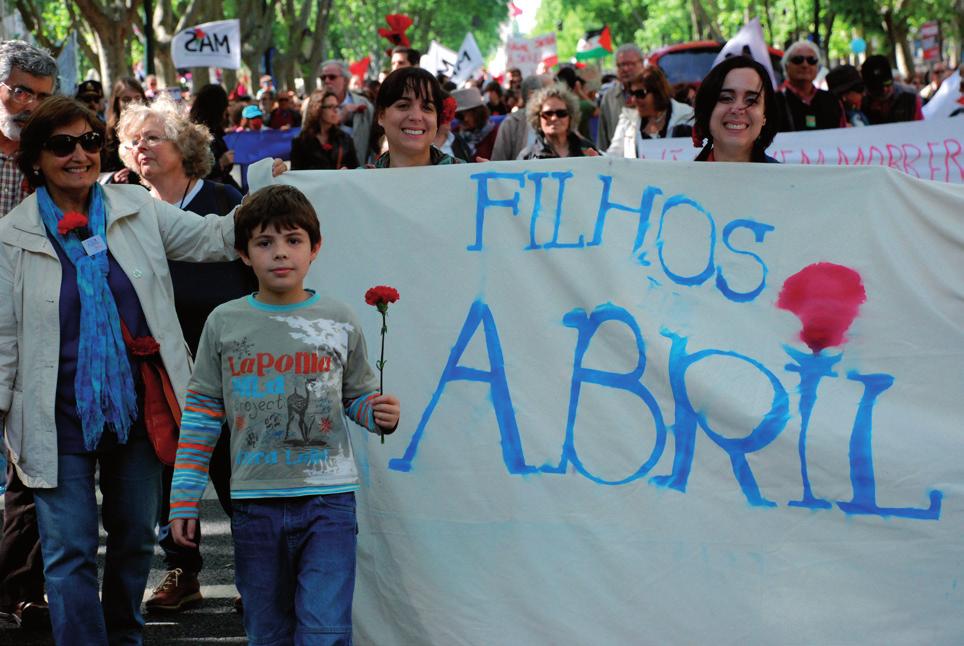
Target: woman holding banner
(736, 113)
(408, 107)
(84, 265)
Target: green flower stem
(381, 362)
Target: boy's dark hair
(278, 206)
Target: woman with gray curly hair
(172, 154)
(553, 113)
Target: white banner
(749, 41)
(468, 61)
(438, 60)
(213, 44)
(531, 55)
(932, 149)
(947, 99)
(649, 403)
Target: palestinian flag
(596, 44)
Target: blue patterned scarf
(103, 386)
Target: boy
(283, 365)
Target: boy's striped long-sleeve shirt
(284, 378)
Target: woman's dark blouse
(307, 153)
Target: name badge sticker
(94, 245)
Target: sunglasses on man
(798, 60)
(559, 114)
(64, 145)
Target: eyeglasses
(64, 145)
(641, 93)
(148, 140)
(23, 96)
(798, 60)
(330, 77)
(559, 114)
(333, 106)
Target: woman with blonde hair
(553, 114)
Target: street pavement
(212, 622)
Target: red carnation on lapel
(71, 221)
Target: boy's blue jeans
(295, 568)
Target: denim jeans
(295, 568)
(130, 481)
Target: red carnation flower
(326, 146)
(449, 107)
(71, 221)
(144, 346)
(380, 296)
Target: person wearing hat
(475, 129)
(251, 118)
(91, 94)
(886, 101)
(845, 83)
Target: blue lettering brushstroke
(554, 243)
(479, 314)
(759, 230)
(862, 477)
(536, 179)
(586, 327)
(687, 419)
(812, 368)
(644, 210)
(483, 201)
(700, 278)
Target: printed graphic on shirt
(286, 404)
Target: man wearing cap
(91, 94)
(886, 101)
(629, 64)
(27, 76)
(284, 116)
(845, 83)
(251, 118)
(356, 111)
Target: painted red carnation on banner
(449, 107)
(380, 296)
(826, 298)
(71, 221)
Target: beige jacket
(142, 233)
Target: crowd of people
(150, 181)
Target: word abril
(811, 368)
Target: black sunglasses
(641, 93)
(797, 60)
(559, 114)
(63, 145)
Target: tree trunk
(111, 27)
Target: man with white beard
(27, 77)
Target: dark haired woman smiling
(408, 108)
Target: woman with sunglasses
(322, 144)
(657, 114)
(553, 113)
(736, 114)
(80, 265)
(803, 106)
